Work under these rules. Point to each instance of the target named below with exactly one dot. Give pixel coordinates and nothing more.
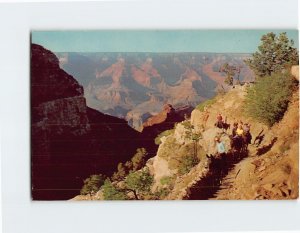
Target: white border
(22, 215)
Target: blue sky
(220, 41)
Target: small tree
(230, 71)
(110, 192)
(191, 135)
(92, 184)
(274, 54)
(139, 183)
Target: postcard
(164, 115)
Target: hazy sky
(235, 41)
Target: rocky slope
(271, 171)
(268, 170)
(135, 86)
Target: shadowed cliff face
(69, 141)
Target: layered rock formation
(135, 86)
(69, 141)
(57, 103)
(161, 117)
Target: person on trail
(205, 117)
(247, 135)
(219, 117)
(234, 129)
(240, 131)
(219, 123)
(246, 128)
(220, 147)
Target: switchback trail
(208, 186)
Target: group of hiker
(240, 136)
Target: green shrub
(110, 192)
(163, 134)
(92, 184)
(161, 193)
(139, 182)
(187, 163)
(268, 99)
(136, 163)
(166, 180)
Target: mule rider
(220, 147)
(247, 134)
(234, 129)
(205, 117)
(219, 123)
(239, 131)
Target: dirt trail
(222, 170)
(237, 172)
(269, 171)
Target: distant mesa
(160, 117)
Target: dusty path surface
(218, 177)
(271, 171)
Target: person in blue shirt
(220, 147)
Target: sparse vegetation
(92, 184)
(230, 71)
(169, 148)
(187, 163)
(139, 183)
(136, 163)
(166, 180)
(120, 173)
(167, 183)
(206, 103)
(275, 53)
(268, 99)
(138, 160)
(161, 193)
(192, 135)
(111, 192)
(163, 134)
